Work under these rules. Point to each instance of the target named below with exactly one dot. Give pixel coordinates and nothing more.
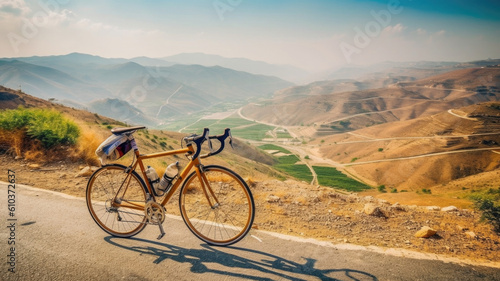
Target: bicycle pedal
(162, 233)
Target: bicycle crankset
(155, 214)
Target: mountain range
(160, 92)
(331, 110)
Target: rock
(352, 198)
(471, 234)
(333, 195)
(86, 171)
(433, 208)
(425, 232)
(449, 209)
(369, 199)
(34, 166)
(397, 207)
(273, 199)
(384, 202)
(373, 210)
(315, 199)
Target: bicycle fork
(206, 185)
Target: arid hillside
(341, 112)
(424, 153)
(94, 129)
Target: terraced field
(240, 127)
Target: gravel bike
(215, 203)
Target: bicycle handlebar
(200, 139)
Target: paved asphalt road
(56, 239)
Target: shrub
(426, 191)
(491, 212)
(47, 126)
(381, 188)
(11, 120)
(489, 204)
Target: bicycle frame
(189, 150)
(123, 201)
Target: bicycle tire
(101, 189)
(229, 221)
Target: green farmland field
(329, 176)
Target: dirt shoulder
(297, 208)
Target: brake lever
(209, 144)
(231, 140)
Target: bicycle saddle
(119, 131)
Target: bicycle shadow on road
(267, 264)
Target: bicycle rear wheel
(127, 218)
(223, 223)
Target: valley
(316, 155)
(395, 125)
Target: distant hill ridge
(162, 92)
(320, 104)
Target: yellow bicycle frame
(189, 150)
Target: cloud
(421, 31)
(53, 19)
(440, 33)
(14, 8)
(86, 24)
(396, 29)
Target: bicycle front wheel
(220, 210)
(120, 215)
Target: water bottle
(152, 177)
(170, 174)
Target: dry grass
(12, 141)
(87, 144)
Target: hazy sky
(314, 35)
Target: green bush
(381, 188)
(491, 212)
(488, 202)
(15, 119)
(47, 126)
